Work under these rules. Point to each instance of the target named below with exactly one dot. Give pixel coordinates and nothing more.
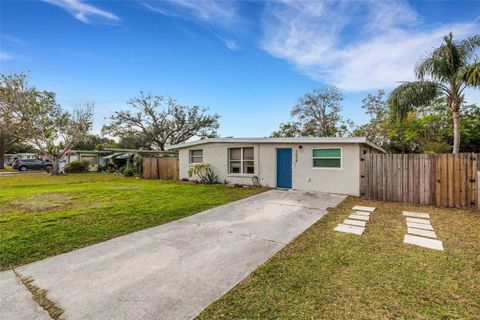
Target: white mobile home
(306, 163)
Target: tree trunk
(55, 166)
(2, 151)
(456, 132)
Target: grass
(329, 275)
(41, 215)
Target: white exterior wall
(345, 180)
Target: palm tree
(445, 73)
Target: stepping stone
(423, 242)
(416, 214)
(358, 217)
(362, 208)
(420, 232)
(349, 229)
(419, 226)
(362, 213)
(416, 220)
(355, 222)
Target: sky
(248, 61)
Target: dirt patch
(43, 202)
(127, 187)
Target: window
(196, 156)
(241, 161)
(327, 158)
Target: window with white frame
(196, 156)
(241, 161)
(327, 158)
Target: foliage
(377, 129)
(255, 181)
(80, 166)
(94, 142)
(40, 120)
(14, 92)
(133, 140)
(425, 130)
(288, 130)
(128, 172)
(445, 73)
(317, 113)
(19, 147)
(204, 171)
(161, 121)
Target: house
(102, 157)
(9, 158)
(304, 163)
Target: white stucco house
(305, 163)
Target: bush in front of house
(80, 166)
(205, 172)
(128, 172)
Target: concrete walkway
(175, 270)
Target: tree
(377, 129)
(317, 113)
(34, 116)
(445, 72)
(94, 142)
(53, 130)
(162, 121)
(15, 94)
(288, 129)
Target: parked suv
(31, 164)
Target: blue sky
(248, 61)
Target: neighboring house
(9, 158)
(101, 157)
(95, 157)
(306, 163)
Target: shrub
(80, 166)
(204, 172)
(128, 172)
(110, 168)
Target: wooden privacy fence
(160, 168)
(446, 180)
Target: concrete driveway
(175, 270)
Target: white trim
(241, 160)
(294, 140)
(327, 168)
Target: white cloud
(11, 39)
(4, 56)
(222, 16)
(230, 43)
(215, 12)
(354, 45)
(83, 11)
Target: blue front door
(284, 168)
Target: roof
(136, 150)
(333, 140)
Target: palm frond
(471, 75)
(410, 96)
(444, 63)
(470, 46)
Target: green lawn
(41, 216)
(329, 275)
